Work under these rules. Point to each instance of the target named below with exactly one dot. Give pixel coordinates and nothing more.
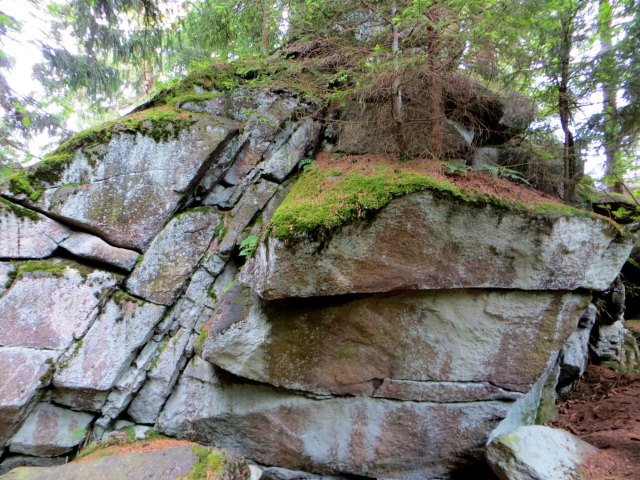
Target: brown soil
(481, 182)
(129, 447)
(605, 411)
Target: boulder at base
(151, 460)
(537, 453)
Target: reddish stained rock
(360, 435)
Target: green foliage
(209, 463)
(248, 246)
(202, 336)
(452, 170)
(507, 173)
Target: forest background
(95, 59)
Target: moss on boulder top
(160, 123)
(331, 194)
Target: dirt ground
(605, 411)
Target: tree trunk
(609, 104)
(569, 156)
(397, 112)
(266, 31)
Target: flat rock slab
(24, 372)
(158, 460)
(107, 350)
(125, 191)
(27, 234)
(90, 247)
(419, 242)
(173, 255)
(359, 435)
(50, 431)
(537, 453)
(349, 345)
(49, 309)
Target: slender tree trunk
(435, 95)
(609, 104)
(266, 31)
(569, 156)
(396, 87)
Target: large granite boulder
(158, 460)
(126, 180)
(360, 435)
(50, 431)
(421, 242)
(395, 345)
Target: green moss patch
(325, 198)
(209, 463)
(19, 211)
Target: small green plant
(248, 246)
(453, 170)
(306, 163)
(209, 462)
(507, 173)
(202, 336)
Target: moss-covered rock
(124, 179)
(392, 228)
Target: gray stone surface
(253, 200)
(504, 249)
(44, 310)
(575, 353)
(160, 379)
(90, 247)
(6, 270)
(537, 453)
(14, 461)
(106, 352)
(27, 237)
(50, 431)
(24, 372)
(357, 435)
(280, 162)
(125, 191)
(173, 255)
(346, 346)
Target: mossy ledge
(19, 211)
(324, 199)
(160, 123)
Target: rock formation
(150, 270)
